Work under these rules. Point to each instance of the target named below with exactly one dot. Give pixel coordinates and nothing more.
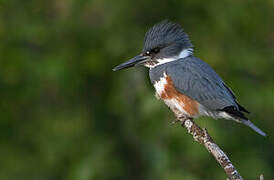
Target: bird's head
(164, 42)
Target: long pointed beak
(132, 62)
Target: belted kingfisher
(186, 84)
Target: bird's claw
(180, 119)
(175, 121)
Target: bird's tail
(252, 126)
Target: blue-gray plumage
(197, 80)
(187, 85)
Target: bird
(185, 83)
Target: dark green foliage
(65, 115)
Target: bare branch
(201, 135)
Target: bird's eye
(155, 50)
(152, 51)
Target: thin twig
(201, 135)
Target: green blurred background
(65, 115)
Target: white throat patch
(183, 54)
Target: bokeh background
(64, 114)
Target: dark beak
(132, 62)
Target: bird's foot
(180, 119)
(175, 121)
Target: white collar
(183, 54)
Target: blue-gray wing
(199, 81)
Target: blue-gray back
(196, 79)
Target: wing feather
(200, 82)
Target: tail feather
(252, 126)
(238, 115)
(241, 108)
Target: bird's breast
(179, 103)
